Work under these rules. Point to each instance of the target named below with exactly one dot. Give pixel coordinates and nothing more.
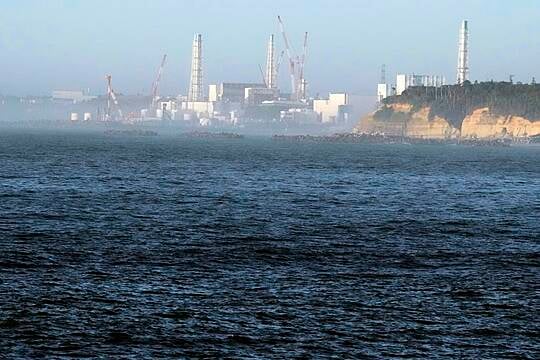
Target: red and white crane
(296, 66)
(289, 56)
(111, 99)
(155, 85)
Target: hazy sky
(63, 44)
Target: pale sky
(63, 44)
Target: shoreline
(337, 138)
(384, 139)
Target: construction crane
(155, 85)
(296, 66)
(302, 82)
(280, 60)
(263, 76)
(111, 96)
(292, 69)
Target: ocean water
(205, 248)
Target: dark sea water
(170, 247)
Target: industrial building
(232, 92)
(382, 86)
(201, 108)
(74, 116)
(75, 96)
(299, 116)
(256, 95)
(241, 103)
(168, 110)
(335, 109)
(404, 81)
(229, 100)
(382, 92)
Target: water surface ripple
(179, 248)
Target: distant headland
(486, 110)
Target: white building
(168, 110)
(201, 108)
(74, 96)
(213, 92)
(168, 105)
(299, 116)
(382, 92)
(329, 110)
(230, 92)
(405, 81)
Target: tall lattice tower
(270, 76)
(463, 54)
(196, 81)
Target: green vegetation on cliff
(455, 102)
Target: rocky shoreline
(130, 132)
(385, 139)
(212, 135)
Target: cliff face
(400, 120)
(481, 124)
(404, 122)
(420, 126)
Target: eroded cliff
(402, 120)
(482, 124)
(486, 110)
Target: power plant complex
(228, 103)
(256, 103)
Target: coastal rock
(421, 126)
(402, 121)
(482, 124)
(369, 125)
